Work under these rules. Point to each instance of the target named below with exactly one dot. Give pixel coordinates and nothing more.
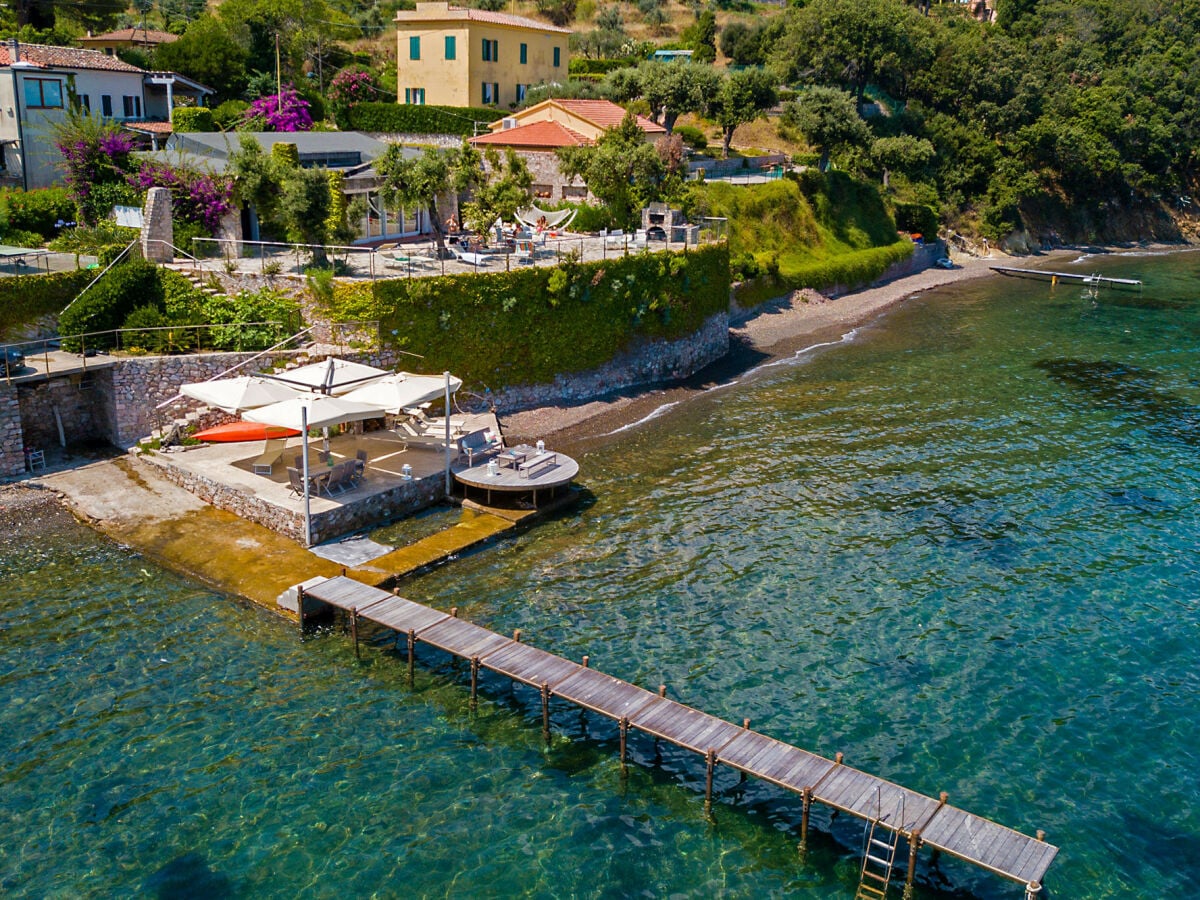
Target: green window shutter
(451, 49)
(414, 48)
(557, 57)
(524, 54)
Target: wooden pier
(922, 821)
(1055, 277)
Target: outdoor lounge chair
(272, 453)
(360, 465)
(295, 481)
(613, 239)
(471, 258)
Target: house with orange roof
(457, 56)
(537, 132)
(126, 38)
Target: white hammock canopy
(558, 219)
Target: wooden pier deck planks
(1072, 276)
(976, 840)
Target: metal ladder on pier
(879, 855)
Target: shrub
(265, 305)
(582, 65)
(916, 217)
(192, 118)
(415, 119)
(24, 298)
(228, 114)
(144, 317)
(126, 286)
(285, 111)
(85, 239)
(18, 238)
(692, 136)
(35, 211)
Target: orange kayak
(235, 432)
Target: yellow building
(452, 56)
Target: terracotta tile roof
(149, 127)
(479, 15)
(605, 114)
(137, 35)
(45, 57)
(535, 134)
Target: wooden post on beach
(354, 629)
(474, 680)
(546, 711)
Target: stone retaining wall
(353, 514)
(652, 362)
(12, 437)
(73, 399)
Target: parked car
(944, 262)
(13, 361)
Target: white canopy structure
(557, 219)
(235, 395)
(403, 390)
(332, 376)
(313, 411)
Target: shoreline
(772, 331)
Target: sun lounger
(614, 239)
(272, 452)
(471, 258)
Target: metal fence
(422, 257)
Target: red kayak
(235, 432)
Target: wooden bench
(528, 467)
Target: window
(524, 54)
(542, 191)
(521, 89)
(574, 193)
(105, 105)
(557, 57)
(491, 93)
(414, 48)
(415, 96)
(451, 47)
(42, 93)
(491, 50)
(132, 106)
(86, 102)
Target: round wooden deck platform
(509, 479)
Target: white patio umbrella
(332, 376)
(312, 411)
(235, 395)
(402, 390)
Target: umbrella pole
(447, 374)
(307, 511)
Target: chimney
(14, 50)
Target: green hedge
(23, 298)
(126, 287)
(417, 119)
(531, 325)
(192, 118)
(849, 270)
(37, 211)
(581, 65)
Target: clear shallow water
(959, 548)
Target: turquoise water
(958, 547)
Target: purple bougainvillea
(200, 198)
(94, 155)
(285, 111)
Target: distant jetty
(1055, 277)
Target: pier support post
(300, 606)
(546, 711)
(807, 798)
(623, 725)
(354, 629)
(1032, 890)
(474, 681)
(710, 762)
(914, 844)
(412, 655)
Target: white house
(39, 83)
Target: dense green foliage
(38, 212)
(23, 298)
(531, 325)
(192, 118)
(104, 307)
(812, 230)
(1066, 115)
(418, 119)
